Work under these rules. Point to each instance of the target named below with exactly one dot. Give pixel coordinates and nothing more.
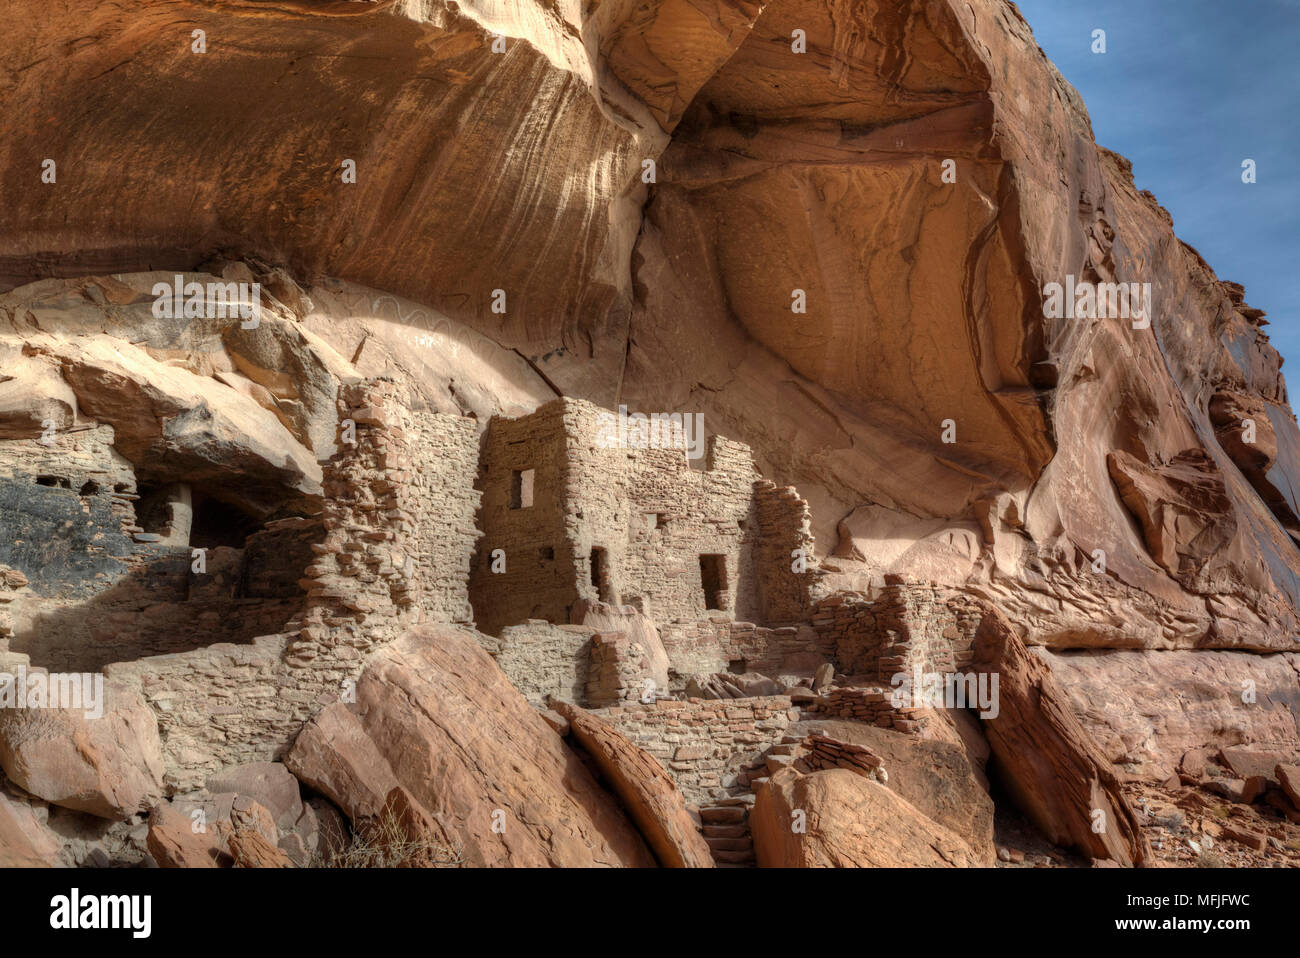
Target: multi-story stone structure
(612, 562)
(567, 517)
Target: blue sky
(1187, 89)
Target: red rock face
(824, 172)
(831, 227)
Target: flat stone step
(777, 762)
(730, 844)
(723, 816)
(746, 798)
(734, 858)
(725, 831)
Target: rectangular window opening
(521, 488)
(713, 576)
(600, 576)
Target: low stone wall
(846, 630)
(820, 752)
(274, 558)
(704, 743)
(217, 706)
(911, 625)
(925, 626)
(871, 705)
(162, 607)
(717, 644)
(542, 659)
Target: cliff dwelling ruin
(332, 478)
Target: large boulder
(110, 765)
(1052, 767)
(175, 841)
(727, 685)
(252, 849)
(1183, 509)
(938, 778)
(270, 784)
(187, 427)
(437, 716)
(32, 393)
(225, 813)
(847, 821)
(648, 793)
(640, 632)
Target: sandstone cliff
(826, 226)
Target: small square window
(546, 553)
(521, 489)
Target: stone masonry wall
(629, 526)
(217, 706)
(542, 659)
(846, 629)
(910, 625)
(377, 571)
(667, 516)
(436, 482)
(869, 704)
(539, 580)
(68, 513)
(785, 527)
(717, 644)
(398, 519)
(621, 670)
(163, 606)
(705, 744)
(651, 513)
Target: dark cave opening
(217, 523)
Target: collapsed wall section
(912, 630)
(785, 557)
(910, 626)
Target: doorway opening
(600, 577)
(713, 576)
